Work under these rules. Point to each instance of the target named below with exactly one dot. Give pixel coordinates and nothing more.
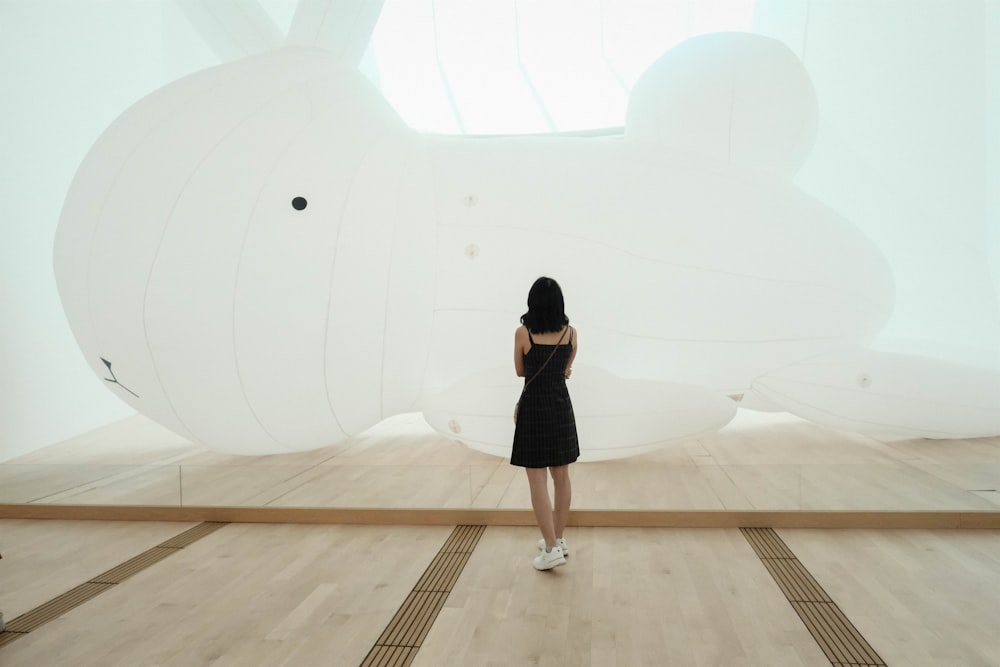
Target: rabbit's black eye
(299, 203)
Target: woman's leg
(564, 494)
(538, 482)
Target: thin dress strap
(530, 339)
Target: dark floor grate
(56, 607)
(192, 535)
(402, 638)
(443, 573)
(840, 641)
(120, 573)
(390, 656)
(795, 581)
(766, 543)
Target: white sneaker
(549, 559)
(561, 543)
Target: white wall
(67, 69)
(902, 150)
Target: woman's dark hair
(546, 311)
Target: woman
(545, 436)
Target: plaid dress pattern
(545, 434)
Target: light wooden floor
(253, 594)
(759, 462)
(293, 595)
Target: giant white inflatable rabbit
(264, 258)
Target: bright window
(529, 66)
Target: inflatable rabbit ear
(240, 28)
(343, 28)
(233, 29)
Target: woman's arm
(521, 342)
(572, 355)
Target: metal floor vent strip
(403, 636)
(833, 631)
(56, 607)
(120, 573)
(192, 535)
